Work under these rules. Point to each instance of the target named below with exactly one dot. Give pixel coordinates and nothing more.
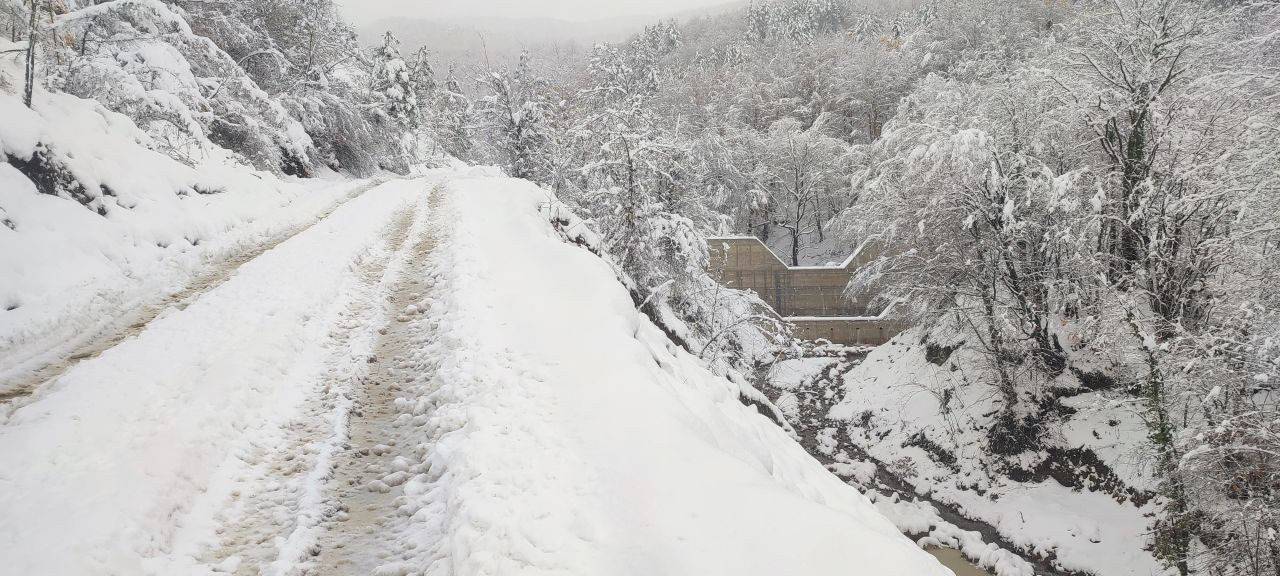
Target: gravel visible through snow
(202, 444)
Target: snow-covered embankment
(567, 434)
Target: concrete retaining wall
(811, 297)
(848, 331)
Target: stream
(813, 420)
(953, 559)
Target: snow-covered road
(98, 313)
(116, 463)
(428, 381)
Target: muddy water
(956, 561)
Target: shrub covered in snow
(140, 58)
(281, 86)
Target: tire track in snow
(299, 501)
(276, 494)
(125, 462)
(378, 458)
(51, 363)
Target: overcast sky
(576, 10)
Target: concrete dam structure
(810, 297)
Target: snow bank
(101, 471)
(104, 223)
(565, 434)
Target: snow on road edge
(98, 470)
(111, 278)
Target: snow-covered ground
(105, 467)
(427, 381)
(658, 467)
(116, 231)
(922, 415)
(1083, 529)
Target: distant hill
(465, 42)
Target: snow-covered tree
(801, 174)
(423, 78)
(306, 58)
(512, 114)
(394, 82)
(1106, 200)
(454, 125)
(1175, 186)
(975, 223)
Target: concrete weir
(810, 297)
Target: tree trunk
(1175, 530)
(817, 219)
(29, 89)
(1126, 143)
(873, 123)
(795, 232)
(795, 246)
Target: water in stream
(953, 559)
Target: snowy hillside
(661, 468)
(908, 422)
(1083, 500)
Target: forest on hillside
(1086, 190)
(1080, 187)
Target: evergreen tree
(393, 82)
(454, 125)
(423, 78)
